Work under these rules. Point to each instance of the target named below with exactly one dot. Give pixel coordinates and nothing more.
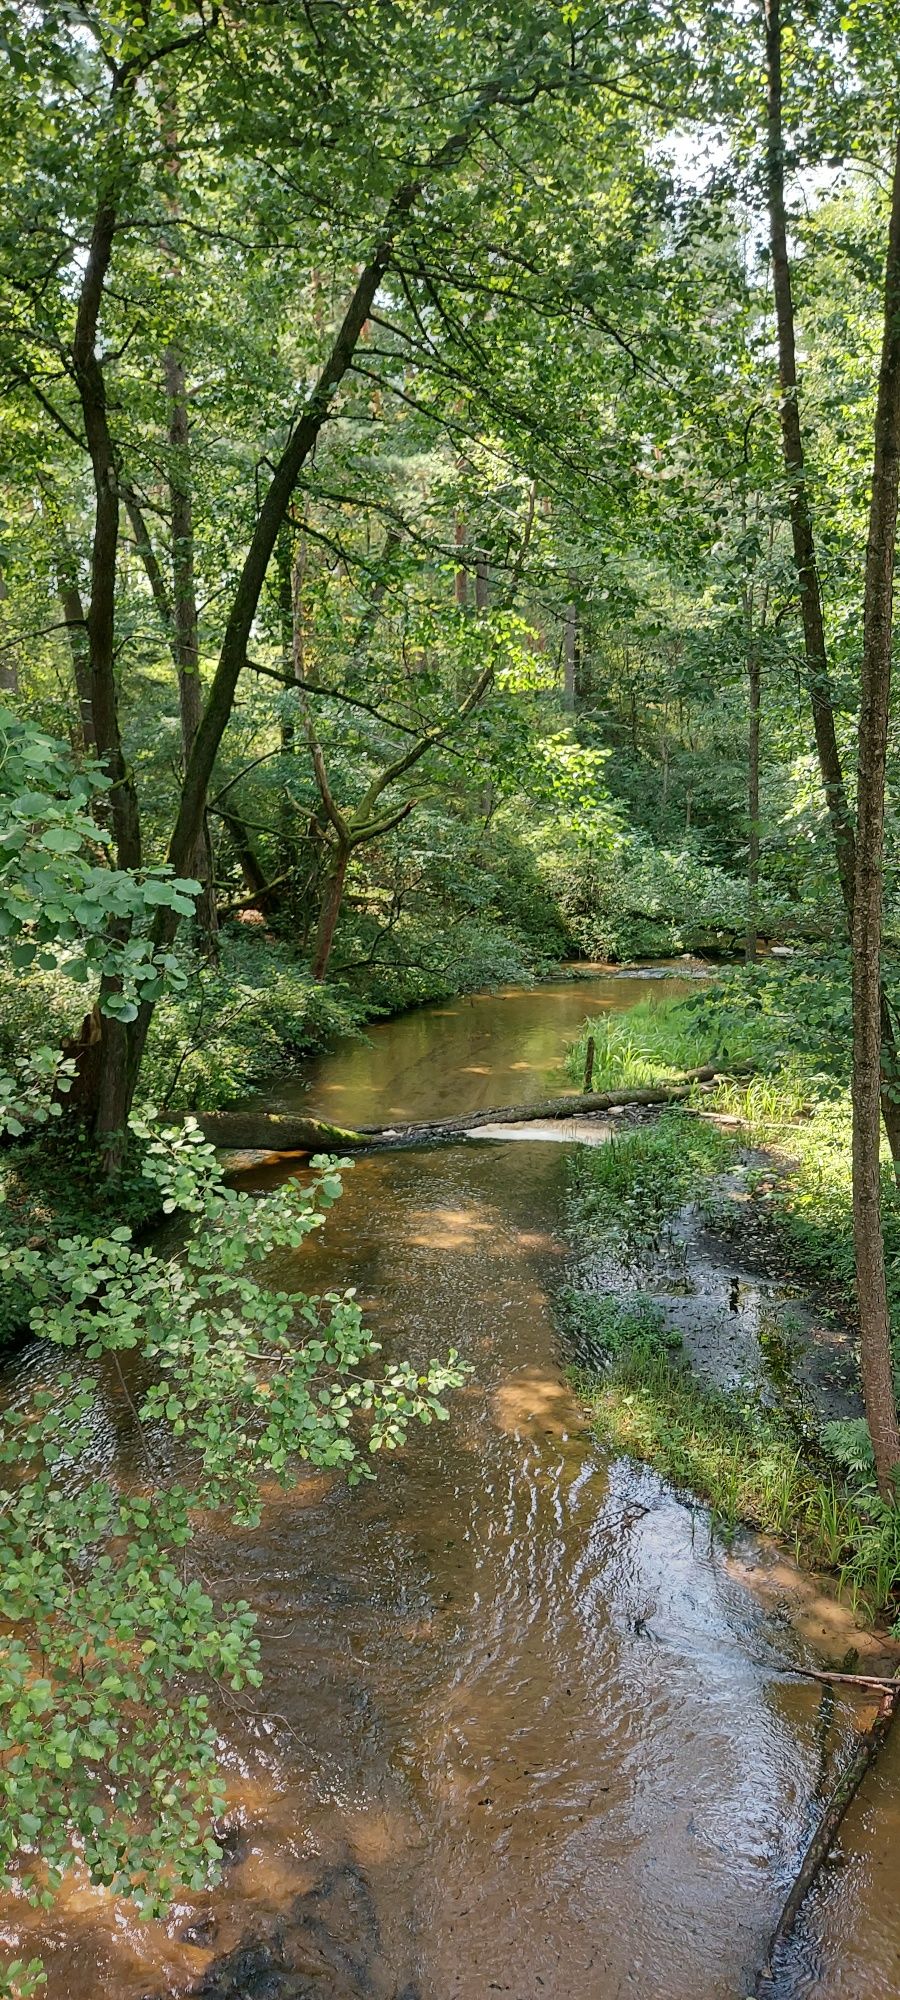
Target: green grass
(773, 1469)
(746, 1463)
(657, 1041)
(791, 1025)
(650, 1043)
(633, 1185)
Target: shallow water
(520, 1732)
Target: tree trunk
(461, 578)
(287, 845)
(185, 647)
(871, 1286)
(76, 633)
(273, 510)
(113, 1103)
(9, 666)
(570, 656)
(754, 678)
(332, 898)
(280, 1131)
(805, 555)
(251, 868)
(802, 535)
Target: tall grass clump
(630, 1187)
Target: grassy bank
(746, 1462)
(761, 1458)
(792, 1026)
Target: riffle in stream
(520, 1731)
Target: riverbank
(710, 1318)
(253, 1018)
(515, 1689)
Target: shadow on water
(518, 1733)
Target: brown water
(520, 1732)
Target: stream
(520, 1731)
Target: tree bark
(280, 1131)
(754, 688)
(9, 666)
(874, 714)
(570, 656)
(332, 899)
(185, 646)
(76, 633)
(802, 536)
(461, 576)
(113, 1102)
(805, 554)
(251, 868)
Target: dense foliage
(416, 569)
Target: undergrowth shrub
(627, 898)
(631, 1186)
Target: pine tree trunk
(871, 1285)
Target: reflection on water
(518, 1734)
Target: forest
(449, 472)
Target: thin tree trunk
(251, 868)
(185, 646)
(9, 666)
(794, 461)
(751, 941)
(570, 655)
(461, 578)
(184, 632)
(871, 1286)
(754, 691)
(805, 554)
(272, 512)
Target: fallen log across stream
(290, 1132)
(868, 1745)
